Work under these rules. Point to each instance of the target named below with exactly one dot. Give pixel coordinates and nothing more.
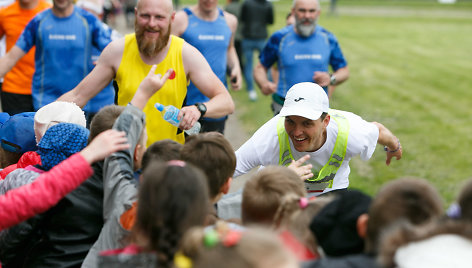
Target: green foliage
(410, 70)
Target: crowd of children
(116, 203)
(99, 197)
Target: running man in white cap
(317, 142)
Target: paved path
(237, 136)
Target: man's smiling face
(307, 135)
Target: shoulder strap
(188, 11)
(328, 171)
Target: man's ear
(326, 120)
(362, 225)
(225, 187)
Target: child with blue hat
(16, 137)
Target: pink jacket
(49, 188)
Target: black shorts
(208, 126)
(16, 103)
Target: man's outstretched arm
(390, 141)
(99, 77)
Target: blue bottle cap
(159, 106)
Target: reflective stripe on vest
(324, 177)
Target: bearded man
(129, 60)
(303, 53)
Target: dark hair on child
(172, 197)
(413, 200)
(104, 120)
(163, 150)
(213, 153)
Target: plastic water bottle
(170, 113)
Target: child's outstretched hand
(302, 170)
(150, 85)
(105, 144)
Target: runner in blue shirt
(65, 37)
(211, 31)
(303, 53)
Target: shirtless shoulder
(112, 54)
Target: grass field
(411, 69)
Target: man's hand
(188, 116)
(304, 171)
(149, 86)
(322, 78)
(235, 79)
(395, 153)
(269, 88)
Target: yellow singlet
(133, 70)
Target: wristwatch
(332, 79)
(201, 108)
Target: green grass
(410, 65)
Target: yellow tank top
(133, 70)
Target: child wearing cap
(22, 203)
(59, 142)
(16, 139)
(45, 117)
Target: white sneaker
(252, 95)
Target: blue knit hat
(17, 133)
(61, 141)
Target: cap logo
(299, 99)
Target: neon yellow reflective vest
(322, 178)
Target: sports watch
(201, 108)
(332, 79)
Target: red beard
(150, 47)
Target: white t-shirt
(262, 149)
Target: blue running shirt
(212, 39)
(63, 51)
(298, 57)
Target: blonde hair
(295, 215)
(244, 250)
(263, 193)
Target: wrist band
(393, 151)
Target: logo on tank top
(62, 37)
(218, 37)
(307, 56)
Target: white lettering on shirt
(211, 37)
(62, 37)
(307, 57)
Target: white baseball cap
(305, 99)
(57, 112)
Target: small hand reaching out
(304, 171)
(149, 86)
(105, 144)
